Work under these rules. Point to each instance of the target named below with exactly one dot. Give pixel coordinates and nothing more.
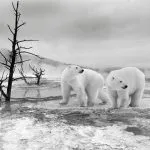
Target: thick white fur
(131, 77)
(87, 84)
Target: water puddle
(50, 88)
(138, 131)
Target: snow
(29, 130)
(28, 134)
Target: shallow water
(50, 88)
(36, 92)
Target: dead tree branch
(30, 54)
(21, 47)
(24, 77)
(6, 59)
(38, 73)
(10, 29)
(25, 41)
(20, 62)
(2, 80)
(21, 25)
(10, 40)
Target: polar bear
(125, 87)
(85, 83)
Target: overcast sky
(89, 32)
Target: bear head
(117, 83)
(72, 71)
(75, 70)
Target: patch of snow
(27, 134)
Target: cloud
(54, 19)
(85, 31)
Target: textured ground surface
(42, 124)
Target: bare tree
(24, 77)
(38, 73)
(16, 52)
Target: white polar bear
(84, 82)
(125, 86)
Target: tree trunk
(10, 80)
(38, 80)
(11, 71)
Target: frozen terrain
(35, 121)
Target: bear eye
(76, 67)
(120, 81)
(113, 78)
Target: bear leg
(66, 89)
(103, 96)
(136, 97)
(113, 98)
(91, 96)
(123, 98)
(80, 96)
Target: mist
(88, 32)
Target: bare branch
(23, 76)
(42, 71)
(2, 75)
(31, 54)
(3, 56)
(10, 30)
(2, 78)
(1, 82)
(17, 5)
(13, 7)
(3, 93)
(20, 62)
(6, 60)
(38, 73)
(20, 56)
(21, 47)
(26, 41)
(21, 25)
(33, 69)
(10, 40)
(5, 65)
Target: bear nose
(125, 87)
(81, 71)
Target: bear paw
(133, 105)
(62, 102)
(90, 104)
(82, 104)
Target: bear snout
(81, 71)
(125, 87)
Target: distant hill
(52, 67)
(33, 58)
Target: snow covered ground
(40, 123)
